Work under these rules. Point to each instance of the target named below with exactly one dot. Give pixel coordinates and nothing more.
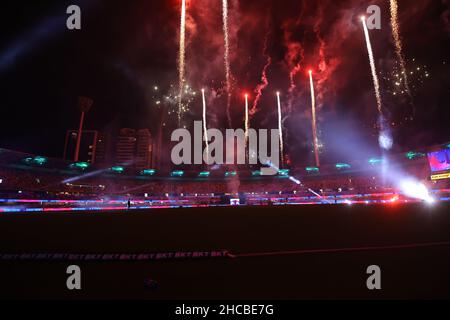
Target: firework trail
(247, 123)
(264, 81)
(376, 82)
(280, 128)
(384, 135)
(313, 120)
(227, 56)
(398, 44)
(205, 127)
(181, 59)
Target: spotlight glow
(415, 189)
(385, 140)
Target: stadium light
(256, 173)
(178, 173)
(283, 172)
(413, 155)
(312, 169)
(340, 166)
(80, 165)
(38, 160)
(148, 172)
(118, 169)
(204, 174)
(374, 161)
(230, 174)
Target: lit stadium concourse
(32, 183)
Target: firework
(205, 127)
(181, 58)
(417, 76)
(384, 139)
(313, 120)
(227, 56)
(376, 82)
(264, 81)
(280, 129)
(292, 74)
(247, 123)
(398, 44)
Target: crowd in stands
(19, 183)
(54, 180)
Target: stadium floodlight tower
(85, 105)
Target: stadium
(34, 183)
(200, 235)
(102, 109)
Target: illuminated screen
(440, 160)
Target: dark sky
(125, 48)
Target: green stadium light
(148, 172)
(340, 166)
(177, 173)
(118, 169)
(374, 161)
(312, 169)
(256, 173)
(283, 172)
(230, 174)
(204, 174)
(36, 160)
(413, 155)
(40, 160)
(80, 165)
(448, 145)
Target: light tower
(85, 105)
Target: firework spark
(181, 59)
(205, 127)
(227, 56)
(398, 45)
(376, 82)
(313, 120)
(280, 128)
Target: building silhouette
(134, 148)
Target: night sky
(126, 48)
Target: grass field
(249, 233)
